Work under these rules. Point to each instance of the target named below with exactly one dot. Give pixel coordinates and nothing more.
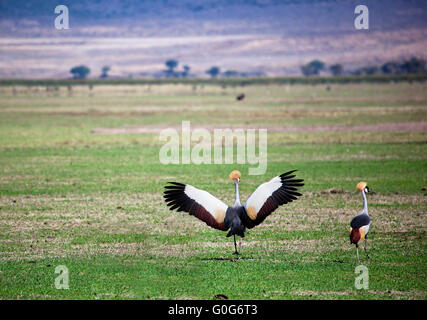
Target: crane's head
(361, 186)
(235, 176)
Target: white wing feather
(205, 199)
(262, 193)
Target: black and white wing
(269, 196)
(196, 202)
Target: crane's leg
(366, 251)
(357, 253)
(235, 245)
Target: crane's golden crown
(361, 186)
(235, 175)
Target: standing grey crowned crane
(359, 225)
(216, 214)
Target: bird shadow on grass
(232, 259)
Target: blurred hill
(253, 36)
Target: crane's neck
(237, 200)
(365, 203)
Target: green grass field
(72, 193)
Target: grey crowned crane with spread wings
(216, 214)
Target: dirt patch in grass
(247, 248)
(413, 294)
(286, 245)
(389, 126)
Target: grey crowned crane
(359, 225)
(216, 214)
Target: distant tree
(186, 71)
(312, 68)
(370, 70)
(80, 72)
(308, 70)
(391, 67)
(105, 70)
(336, 69)
(414, 65)
(213, 72)
(230, 74)
(319, 65)
(171, 65)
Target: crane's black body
(233, 221)
(360, 221)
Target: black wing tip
(288, 173)
(288, 177)
(289, 181)
(171, 195)
(175, 183)
(174, 186)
